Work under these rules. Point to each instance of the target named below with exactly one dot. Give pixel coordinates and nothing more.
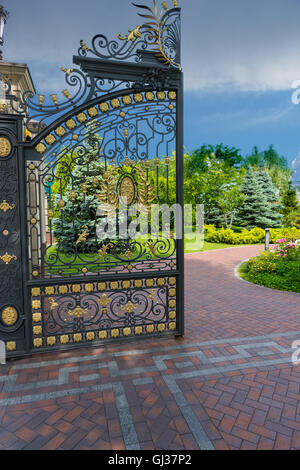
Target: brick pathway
(229, 384)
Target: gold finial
(84, 188)
(61, 204)
(95, 182)
(175, 3)
(54, 99)
(157, 161)
(66, 71)
(167, 160)
(41, 99)
(72, 196)
(66, 94)
(50, 214)
(126, 132)
(165, 6)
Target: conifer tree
(272, 196)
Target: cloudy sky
(240, 60)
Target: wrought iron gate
(114, 142)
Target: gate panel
(112, 147)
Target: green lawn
(286, 277)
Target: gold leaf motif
(63, 289)
(172, 315)
(37, 330)
(129, 307)
(11, 346)
(40, 148)
(81, 117)
(82, 237)
(50, 139)
(138, 283)
(150, 328)
(35, 291)
(92, 112)
(9, 316)
(114, 333)
(150, 96)
(103, 250)
(77, 337)
(172, 303)
(146, 192)
(64, 339)
(149, 282)
(37, 317)
(115, 103)
(108, 195)
(71, 124)
(132, 36)
(89, 287)
(90, 336)
(49, 290)
(138, 330)
(37, 342)
(172, 281)
(51, 341)
(126, 284)
(60, 131)
(126, 331)
(126, 99)
(114, 285)
(103, 107)
(36, 304)
(83, 46)
(172, 326)
(66, 94)
(102, 334)
(138, 97)
(161, 281)
(66, 71)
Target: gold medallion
(9, 316)
(5, 147)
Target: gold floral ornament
(60, 131)
(50, 139)
(64, 339)
(161, 327)
(150, 96)
(132, 34)
(71, 124)
(161, 95)
(77, 337)
(146, 191)
(103, 107)
(76, 288)
(150, 328)
(81, 117)
(9, 316)
(38, 342)
(114, 333)
(90, 336)
(78, 312)
(51, 341)
(104, 300)
(101, 286)
(83, 46)
(126, 331)
(114, 285)
(5, 207)
(129, 307)
(11, 346)
(53, 304)
(37, 317)
(37, 330)
(138, 97)
(40, 148)
(115, 103)
(138, 330)
(172, 326)
(172, 95)
(102, 334)
(6, 258)
(104, 250)
(35, 291)
(138, 283)
(92, 112)
(126, 99)
(172, 315)
(49, 290)
(127, 190)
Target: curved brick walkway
(228, 384)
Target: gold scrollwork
(78, 312)
(5, 207)
(82, 237)
(6, 258)
(132, 34)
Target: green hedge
(248, 237)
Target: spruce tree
(273, 198)
(255, 211)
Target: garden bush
(248, 237)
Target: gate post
(13, 319)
